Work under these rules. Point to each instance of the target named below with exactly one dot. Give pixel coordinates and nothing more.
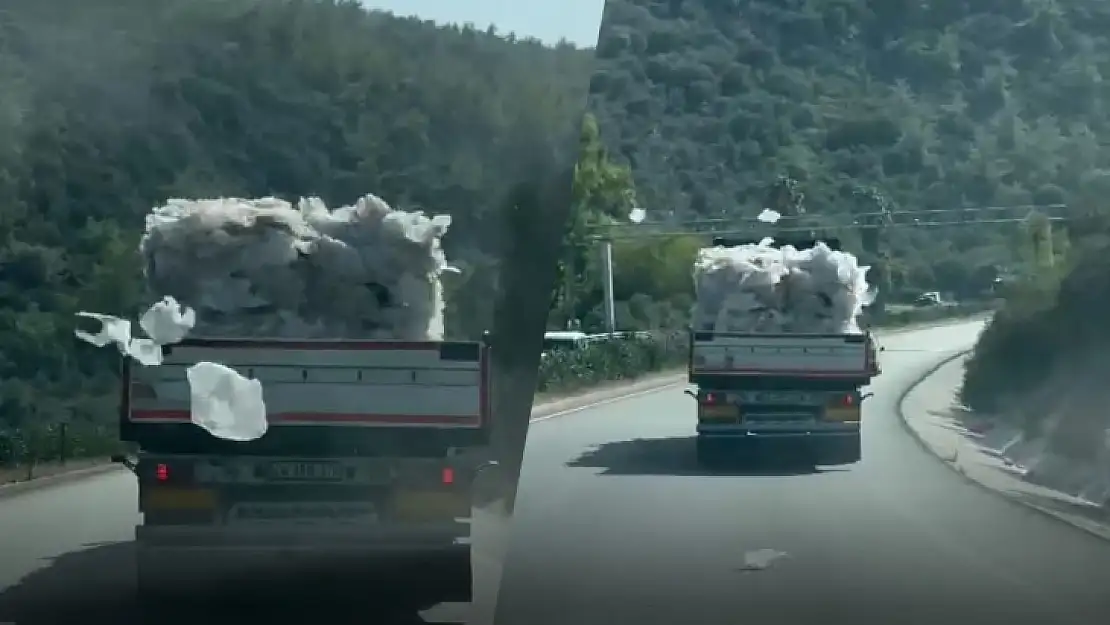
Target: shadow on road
(677, 457)
(97, 585)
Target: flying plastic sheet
(223, 402)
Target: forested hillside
(108, 107)
(939, 104)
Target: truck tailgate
(360, 384)
(812, 355)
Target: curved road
(615, 524)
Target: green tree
(603, 194)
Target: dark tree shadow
(97, 585)
(677, 457)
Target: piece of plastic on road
(226, 404)
(761, 559)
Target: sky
(549, 21)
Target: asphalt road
(616, 524)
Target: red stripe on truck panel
(319, 345)
(773, 372)
(322, 417)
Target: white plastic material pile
(223, 402)
(764, 289)
(266, 267)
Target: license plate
(301, 512)
(429, 506)
(842, 414)
(305, 472)
(779, 417)
(779, 398)
(179, 499)
(726, 411)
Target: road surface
(615, 524)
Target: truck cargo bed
(832, 357)
(322, 397)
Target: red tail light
(162, 473)
(448, 476)
(848, 401)
(709, 399)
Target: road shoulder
(930, 412)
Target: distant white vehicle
(932, 298)
(575, 339)
(564, 339)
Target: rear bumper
(813, 432)
(384, 538)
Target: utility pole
(873, 224)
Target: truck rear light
(448, 476)
(166, 473)
(843, 408)
(710, 399)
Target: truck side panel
(383, 384)
(755, 355)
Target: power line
(724, 226)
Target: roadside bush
(57, 443)
(623, 358)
